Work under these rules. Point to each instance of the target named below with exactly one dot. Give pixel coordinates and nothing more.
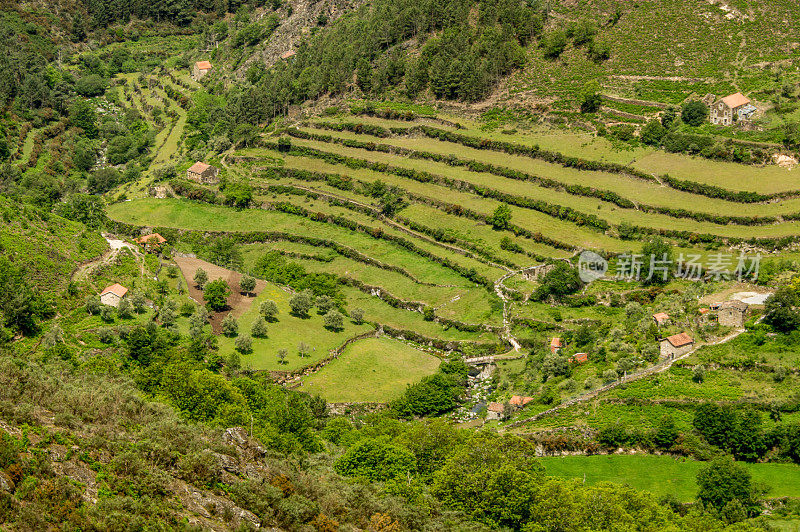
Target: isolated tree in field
(301, 304)
(230, 327)
(244, 344)
(268, 309)
(501, 217)
(247, 284)
(334, 320)
(724, 481)
(259, 328)
(216, 294)
(357, 315)
(694, 113)
(282, 356)
(554, 43)
(53, 337)
(324, 304)
(200, 278)
(172, 271)
(303, 349)
(590, 98)
(167, 315)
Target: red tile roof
(495, 407)
(116, 289)
(203, 65)
(736, 100)
(555, 342)
(287, 54)
(519, 400)
(679, 340)
(199, 168)
(580, 357)
(661, 317)
(146, 239)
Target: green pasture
(664, 475)
(286, 333)
(371, 370)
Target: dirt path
(84, 271)
(652, 370)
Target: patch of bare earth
(238, 302)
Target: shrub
(107, 313)
(247, 284)
(200, 278)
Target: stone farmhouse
(201, 68)
(112, 295)
(732, 313)
(676, 345)
(495, 411)
(733, 107)
(203, 173)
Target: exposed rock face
(305, 15)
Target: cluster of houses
(498, 410)
(729, 314)
(112, 295)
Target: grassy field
(287, 333)
(663, 475)
(371, 370)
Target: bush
(107, 313)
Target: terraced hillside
(401, 213)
